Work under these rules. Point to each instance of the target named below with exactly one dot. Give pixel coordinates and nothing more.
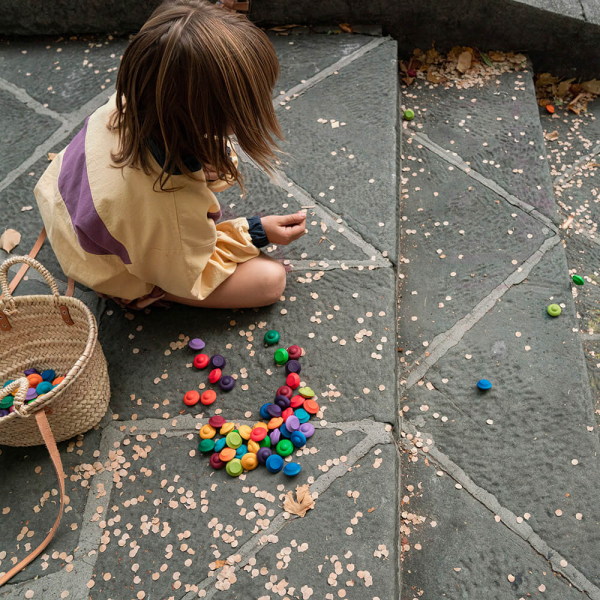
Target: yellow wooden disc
(227, 428)
(245, 431)
(260, 424)
(253, 446)
(249, 461)
(208, 432)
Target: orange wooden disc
(58, 380)
(311, 407)
(208, 397)
(34, 379)
(275, 422)
(227, 454)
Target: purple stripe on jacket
(74, 187)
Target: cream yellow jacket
(113, 233)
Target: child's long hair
(194, 74)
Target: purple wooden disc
(274, 410)
(263, 454)
(31, 394)
(282, 401)
(307, 429)
(293, 366)
(216, 361)
(31, 372)
(275, 436)
(292, 423)
(197, 344)
(3, 412)
(227, 383)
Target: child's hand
(284, 229)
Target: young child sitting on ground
(129, 205)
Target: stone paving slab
(354, 554)
(22, 130)
(471, 552)
(339, 371)
(524, 434)
(495, 128)
(460, 240)
(30, 503)
(359, 146)
(62, 74)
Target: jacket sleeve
(234, 245)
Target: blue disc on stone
(292, 469)
(484, 384)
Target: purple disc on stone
(292, 423)
(31, 372)
(263, 454)
(31, 394)
(227, 383)
(274, 410)
(216, 361)
(282, 401)
(3, 412)
(275, 436)
(197, 344)
(307, 429)
(293, 366)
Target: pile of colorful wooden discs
(269, 442)
(39, 384)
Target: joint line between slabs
(299, 89)
(509, 519)
(443, 342)
(458, 162)
(22, 96)
(331, 265)
(254, 545)
(302, 197)
(69, 122)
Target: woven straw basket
(49, 332)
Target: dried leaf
(9, 239)
(551, 137)
(408, 80)
(51, 155)
(220, 563)
(497, 56)
(573, 104)
(346, 27)
(431, 77)
(546, 79)
(592, 86)
(303, 503)
(283, 27)
(432, 56)
(464, 62)
(563, 87)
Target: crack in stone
(450, 338)
(300, 88)
(523, 530)
(457, 161)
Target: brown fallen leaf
(220, 563)
(497, 56)
(303, 503)
(563, 87)
(9, 239)
(464, 62)
(51, 156)
(346, 27)
(551, 137)
(283, 27)
(545, 79)
(592, 86)
(431, 77)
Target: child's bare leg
(259, 281)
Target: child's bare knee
(273, 281)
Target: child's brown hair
(194, 74)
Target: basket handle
(20, 386)
(44, 426)
(31, 262)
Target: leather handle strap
(24, 267)
(44, 426)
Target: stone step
(481, 259)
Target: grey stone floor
(147, 517)
(499, 489)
